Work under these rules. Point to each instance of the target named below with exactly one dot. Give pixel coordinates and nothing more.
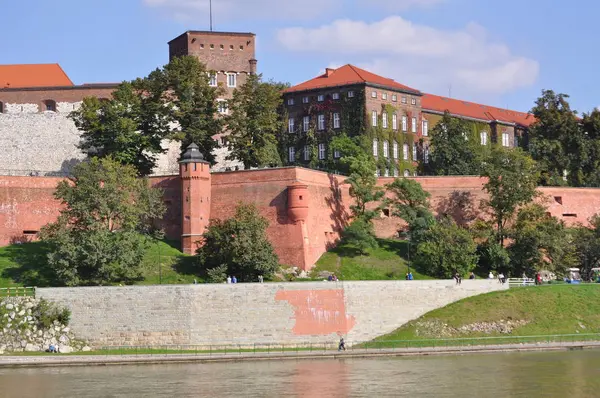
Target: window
(336, 154)
(222, 106)
(395, 172)
(202, 46)
(404, 123)
(405, 151)
(413, 101)
(386, 172)
(321, 151)
(483, 135)
(426, 154)
(350, 94)
(231, 47)
(386, 149)
(321, 122)
(336, 120)
(384, 120)
(306, 152)
(50, 105)
(291, 125)
(505, 139)
(377, 173)
(290, 101)
(394, 97)
(407, 173)
(336, 96)
(375, 147)
(395, 122)
(374, 118)
(305, 123)
(291, 154)
(384, 96)
(212, 46)
(404, 100)
(222, 47)
(425, 128)
(1, 107)
(321, 98)
(373, 94)
(414, 125)
(395, 150)
(241, 48)
(231, 80)
(414, 152)
(212, 79)
(305, 100)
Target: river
(547, 374)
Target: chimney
(253, 63)
(329, 71)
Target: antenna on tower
(210, 12)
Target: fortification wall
(247, 314)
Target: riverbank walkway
(133, 359)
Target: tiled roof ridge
(354, 68)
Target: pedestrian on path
(342, 345)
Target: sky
(496, 53)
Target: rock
(32, 348)
(86, 349)
(64, 339)
(23, 343)
(65, 349)
(22, 312)
(66, 330)
(12, 315)
(9, 306)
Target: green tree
(512, 181)
(540, 241)
(407, 198)
(446, 249)
(555, 139)
(587, 245)
(119, 127)
(100, 235)
(254, 121)
(238, 246)
(590, 125)
(453, 151)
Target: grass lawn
(24, 265)
(548, 310)
(386, 262)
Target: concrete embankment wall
(282, 313)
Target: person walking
(260, 279)
(472, 276)
(228, 279)
(342, 345)
(234, 279)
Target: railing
(18, 291)
(516, 282)
(451, 344)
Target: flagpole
(210, 6)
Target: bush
(45, 313)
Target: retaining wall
(282, 313)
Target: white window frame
(350, 94)
(406, 173)
(291, 154)
(395, 149)
(373, 94)
(213, 80)
(414, 125)
(413, 101)
(321, 98)
(305, 100)
(306, 153)
(403, 99)
(483, 137)
(386, 172)
(384, 96)
(378, 172)
(404, 123)
(505, 139)
(375, 147)
(291, 124)
(426, 154)
(386, 149)
(322, 151)
(231, 80)
(290, 101)
(394, 98)
(384, 120)
(414, 152)
(335, 96)
(405, 151)
(425, 127)
(222, 107)
(305, 123)
(336, 120)
(321, 122)
(374, 118)
(394, 122)
(395, 172)
(336, 154)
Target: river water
(540, 374)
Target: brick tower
(195, 197)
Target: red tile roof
(33, 75)
(347, 75)
(473, 110)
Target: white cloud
(425, 57)
(225, 10)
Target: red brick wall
(58, 94)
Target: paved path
(91, 360)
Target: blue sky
(501, 55)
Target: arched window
(49, 106)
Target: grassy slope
(22, 265)
(385, 262)
(560, 309)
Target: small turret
(298, 202)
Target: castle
(306, 209)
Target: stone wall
(281, 313)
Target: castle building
(397, 119)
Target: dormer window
(50, 106)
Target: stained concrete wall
(282, 313)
